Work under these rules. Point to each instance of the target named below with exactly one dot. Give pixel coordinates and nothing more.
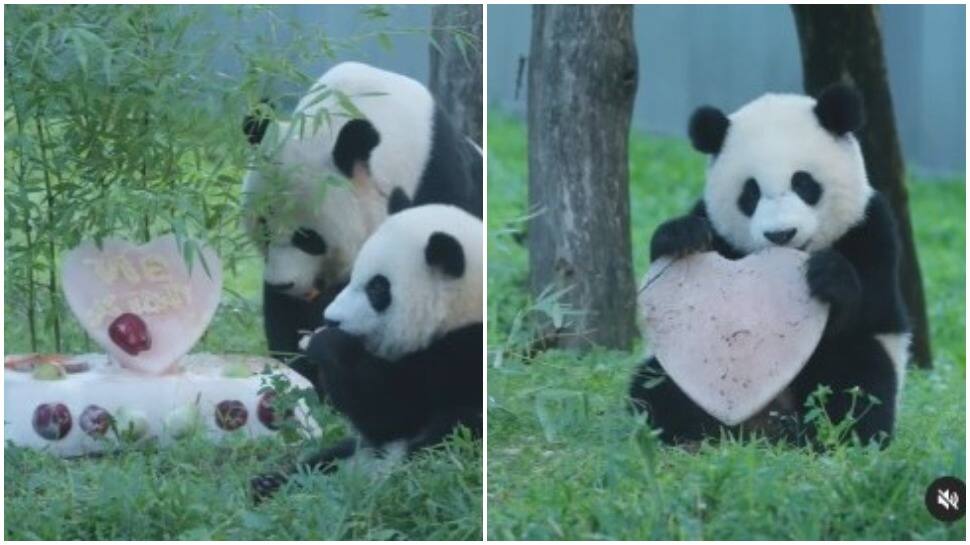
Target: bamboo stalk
(31, 291)
(51, 249)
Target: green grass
(198, 490)
(566, 461)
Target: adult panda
(400, 354)
(331, 173)
(786, 170)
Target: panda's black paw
(833, 280)
(262, 487)
(681, 236)
(331, 344)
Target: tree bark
(456, 65)
(844, 43)
(582, 82)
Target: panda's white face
(306, 216)
(308, 224)
(416, 278)
(781, 179)
(326, 187)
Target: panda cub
(400, 353)
(786, 170)
(330, 177)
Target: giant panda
(786, 170)
(332, 172)
(400, 353)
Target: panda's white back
(399, 107)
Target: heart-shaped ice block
(152, 282)
(732, 334)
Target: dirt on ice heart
(731, 334)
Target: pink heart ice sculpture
(732, 334)
(152, 282)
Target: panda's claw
(263, 487)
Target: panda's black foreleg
(858, 365)
(326, 460)
(444, 424)
(681, 236)
(832, 279)
(667, 406)
(265, 485)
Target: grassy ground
(197, 490)
(565, 460)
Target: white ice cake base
(69, 416)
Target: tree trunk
(582, 82)
(844, 43)
(456, 65)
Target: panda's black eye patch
(378, 291)
(749, 198)
(309, 241)
(805, 186)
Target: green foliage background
(566, 461)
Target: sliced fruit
(48, 371)
(266, 412)
(95, 421)
(184, 421)
(131, 424)
(231, 414)
(52, 421)
(130, 333)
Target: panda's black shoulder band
(398, 201)
(708, 127)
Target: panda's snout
(331, 323)
(780, 237)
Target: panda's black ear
(443, 252)
(398, 201)
(839, 109)
(707, 129)
(254, 125)
(356, 140)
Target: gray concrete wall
(409, 27)
(727, 55)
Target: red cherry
(52, 421)
(130, 333)
(231, 414)
(267, 413)
(95, 421)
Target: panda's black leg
(444, 424)
(265, 485)
(844, 365)
(667, 406)
(326, 460)
(832, 279)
